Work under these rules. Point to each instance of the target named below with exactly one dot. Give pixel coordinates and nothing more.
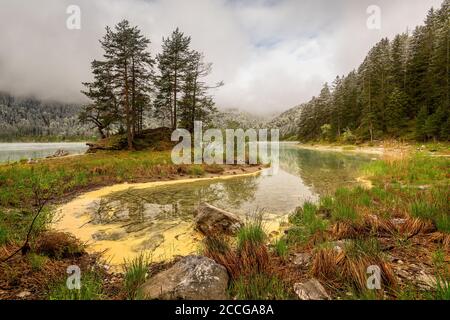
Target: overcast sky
(271, 54)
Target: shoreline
(71, 217)
(346, 149)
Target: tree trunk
(127, 110)
(174, 124)
(133, 99)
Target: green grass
(306, 223)
(14, 224)
(438, 258)
(281, 248)
(72, 173)
(433, 205)
(442, 289)
(422, 209)
(196, 170)
(343, 213)
(91, 289)
(259, 287)
(135, 274)
(363, 247)
(252, 233)
(3, 235)
(37, 261)
(365, 294)
(418, 169)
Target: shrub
(59, 245)
(348, 136)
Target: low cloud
(271, 55)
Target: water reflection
(159, 219)
(304, 175)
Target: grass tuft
(91, 289)
(281, 248)
(259, 287)
(136, 271)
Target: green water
(304, 175)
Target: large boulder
(311, 290)
(212, 221)
(191, 278)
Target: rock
(23, 294)
(398, 221)
(301, 259)
(311, 290)
(403, 274)
(211, 220)
(191, 278)
(339, 246)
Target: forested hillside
(401, 90)
(31, 119)
(287, 122)
(234, 119)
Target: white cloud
(271, 54)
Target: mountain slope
(287, 122)
(31, 119)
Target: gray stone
(301, 259)
(211, 220)
(311, 290)
(191, 278)
(398, 221)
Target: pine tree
(123, 77)
(421, 119)
(196, 104)
(103, 111)
(172, 64)
(396, 112)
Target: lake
(157, 217)
(11, 152)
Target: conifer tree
(121, 88)
(172, 64)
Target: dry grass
(339, 269)
(251, 258)
(415, 226)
